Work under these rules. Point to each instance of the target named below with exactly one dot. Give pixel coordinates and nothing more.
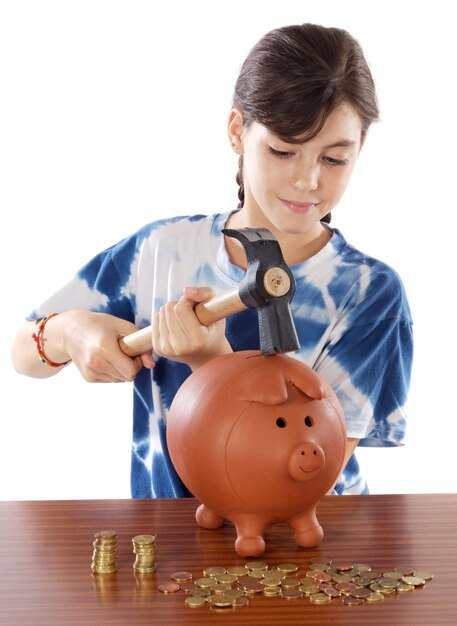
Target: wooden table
(46, 549)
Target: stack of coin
(144, 548)
(104, 554)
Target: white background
(113, 114)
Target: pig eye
(281, 422)
(308, 421)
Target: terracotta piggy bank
(258, 440)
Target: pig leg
(249, 532)
(206, 518)
(308, 531)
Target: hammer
(267, 286)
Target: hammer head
(267, 286)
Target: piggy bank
(258, 440)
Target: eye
(335, 162)
(281, 422)
(308, 421)
(279, 153)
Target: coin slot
(281, 422)
(308, 421)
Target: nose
(306, 177)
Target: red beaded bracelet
(37, 338)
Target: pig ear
(308, 382)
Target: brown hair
(295, 76)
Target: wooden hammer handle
(218, 308)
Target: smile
(299, 207)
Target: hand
(177, 333)
(92, 342)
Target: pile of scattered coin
(104, 554)
(144, 548)
(323, 581)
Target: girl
(302, 106)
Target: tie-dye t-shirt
(350, 311)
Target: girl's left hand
(177, 333)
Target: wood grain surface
(46, 550)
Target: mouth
(299, 207)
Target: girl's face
(290, 187)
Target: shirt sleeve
(368, 361)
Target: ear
(235, 130)
(310, 384)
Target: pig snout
(305, 460)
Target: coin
(168, 587)
(351, 600)
(320, 598)
(204, 582)
(288, 568)
(142, 540)
(288, 583)
(237, 570)
(360, 593)
(272, 591)
(198, 592)
(291, 594)
(214, 571)
(181, 577)
(394, 575)
(405, 570)
(413, 580)
(332, 592)
(195, 602)
(375, 597)
(221, 600)
(220, 588)
(423, 574)
(320, 559)
(257, 565)
(403, 587)
(226, 578)
(240, 602)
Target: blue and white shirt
(350, 311)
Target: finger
(198, 294)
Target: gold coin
(320, 598)
(198, 592)
(105, 535)
(221, 600)
(387, 583)
(352, 601)
(319, 567)
(237, 570)
(362, 567)
(394, 575)
(195, 602)
(405, 570)
(320, 559)
(423, 574)
(413, 580)
(403, 587)
(308, 590)
(271, 582)
(240, 602)
(204, 582)
(144, 540)
(214, 571)
(257, 565)
(289, 583)
(375, 596)
(272, 591)
(288, 568)
(234, 593)
(220, 588)
(226, 578)
(257, 573)
(187, 587)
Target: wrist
(44, 336)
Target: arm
(89, 339)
